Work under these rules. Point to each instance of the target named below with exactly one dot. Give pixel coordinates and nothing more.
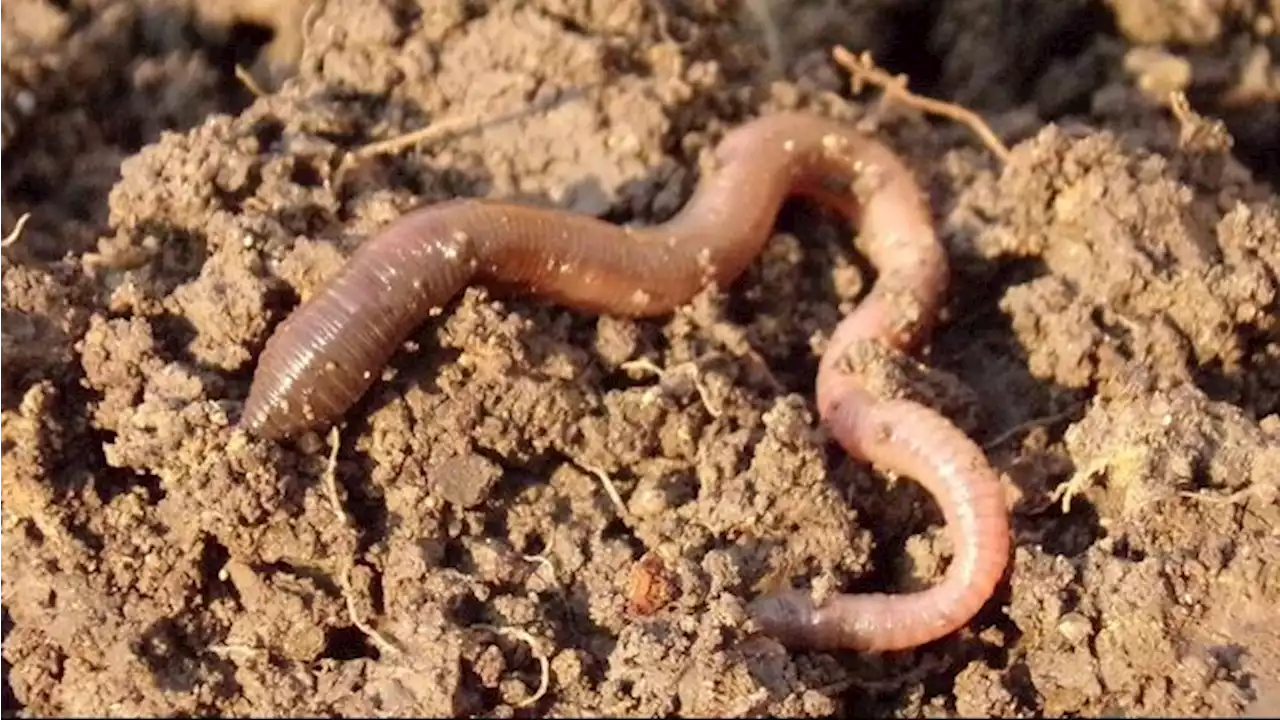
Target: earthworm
(328, 352)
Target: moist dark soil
(541, 512)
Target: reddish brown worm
(325, 355)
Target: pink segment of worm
(327, 354)
(900, 436)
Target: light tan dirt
(1112, 338)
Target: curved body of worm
(326, 355)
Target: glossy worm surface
(323, 358)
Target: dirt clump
(539, 512)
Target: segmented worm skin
(323, 358)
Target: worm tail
(913, 440)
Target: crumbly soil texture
(538, 512)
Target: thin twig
(371, 632)
(16, 232)
(229, 650)
(308, 23)
(1031, 424)
(331, 477)
(544, 561)
(610, 489)
(430, 133)
(247, 80)
(544, 681)
(704, 393)
(348, 594)
(1256, 489)
(446, 127)
(862, 68)
(1195, 131)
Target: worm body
(324, 357)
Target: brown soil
(1112, 339)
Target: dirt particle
(650, 587)
(465, 481)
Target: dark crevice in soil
(114, 482)
(911, 21)
(1255, 385)
(10, 701)
(1072, 534)
(348, 643)
(245, 41)
(1021, 686)
(365, 505)
(213, 558)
